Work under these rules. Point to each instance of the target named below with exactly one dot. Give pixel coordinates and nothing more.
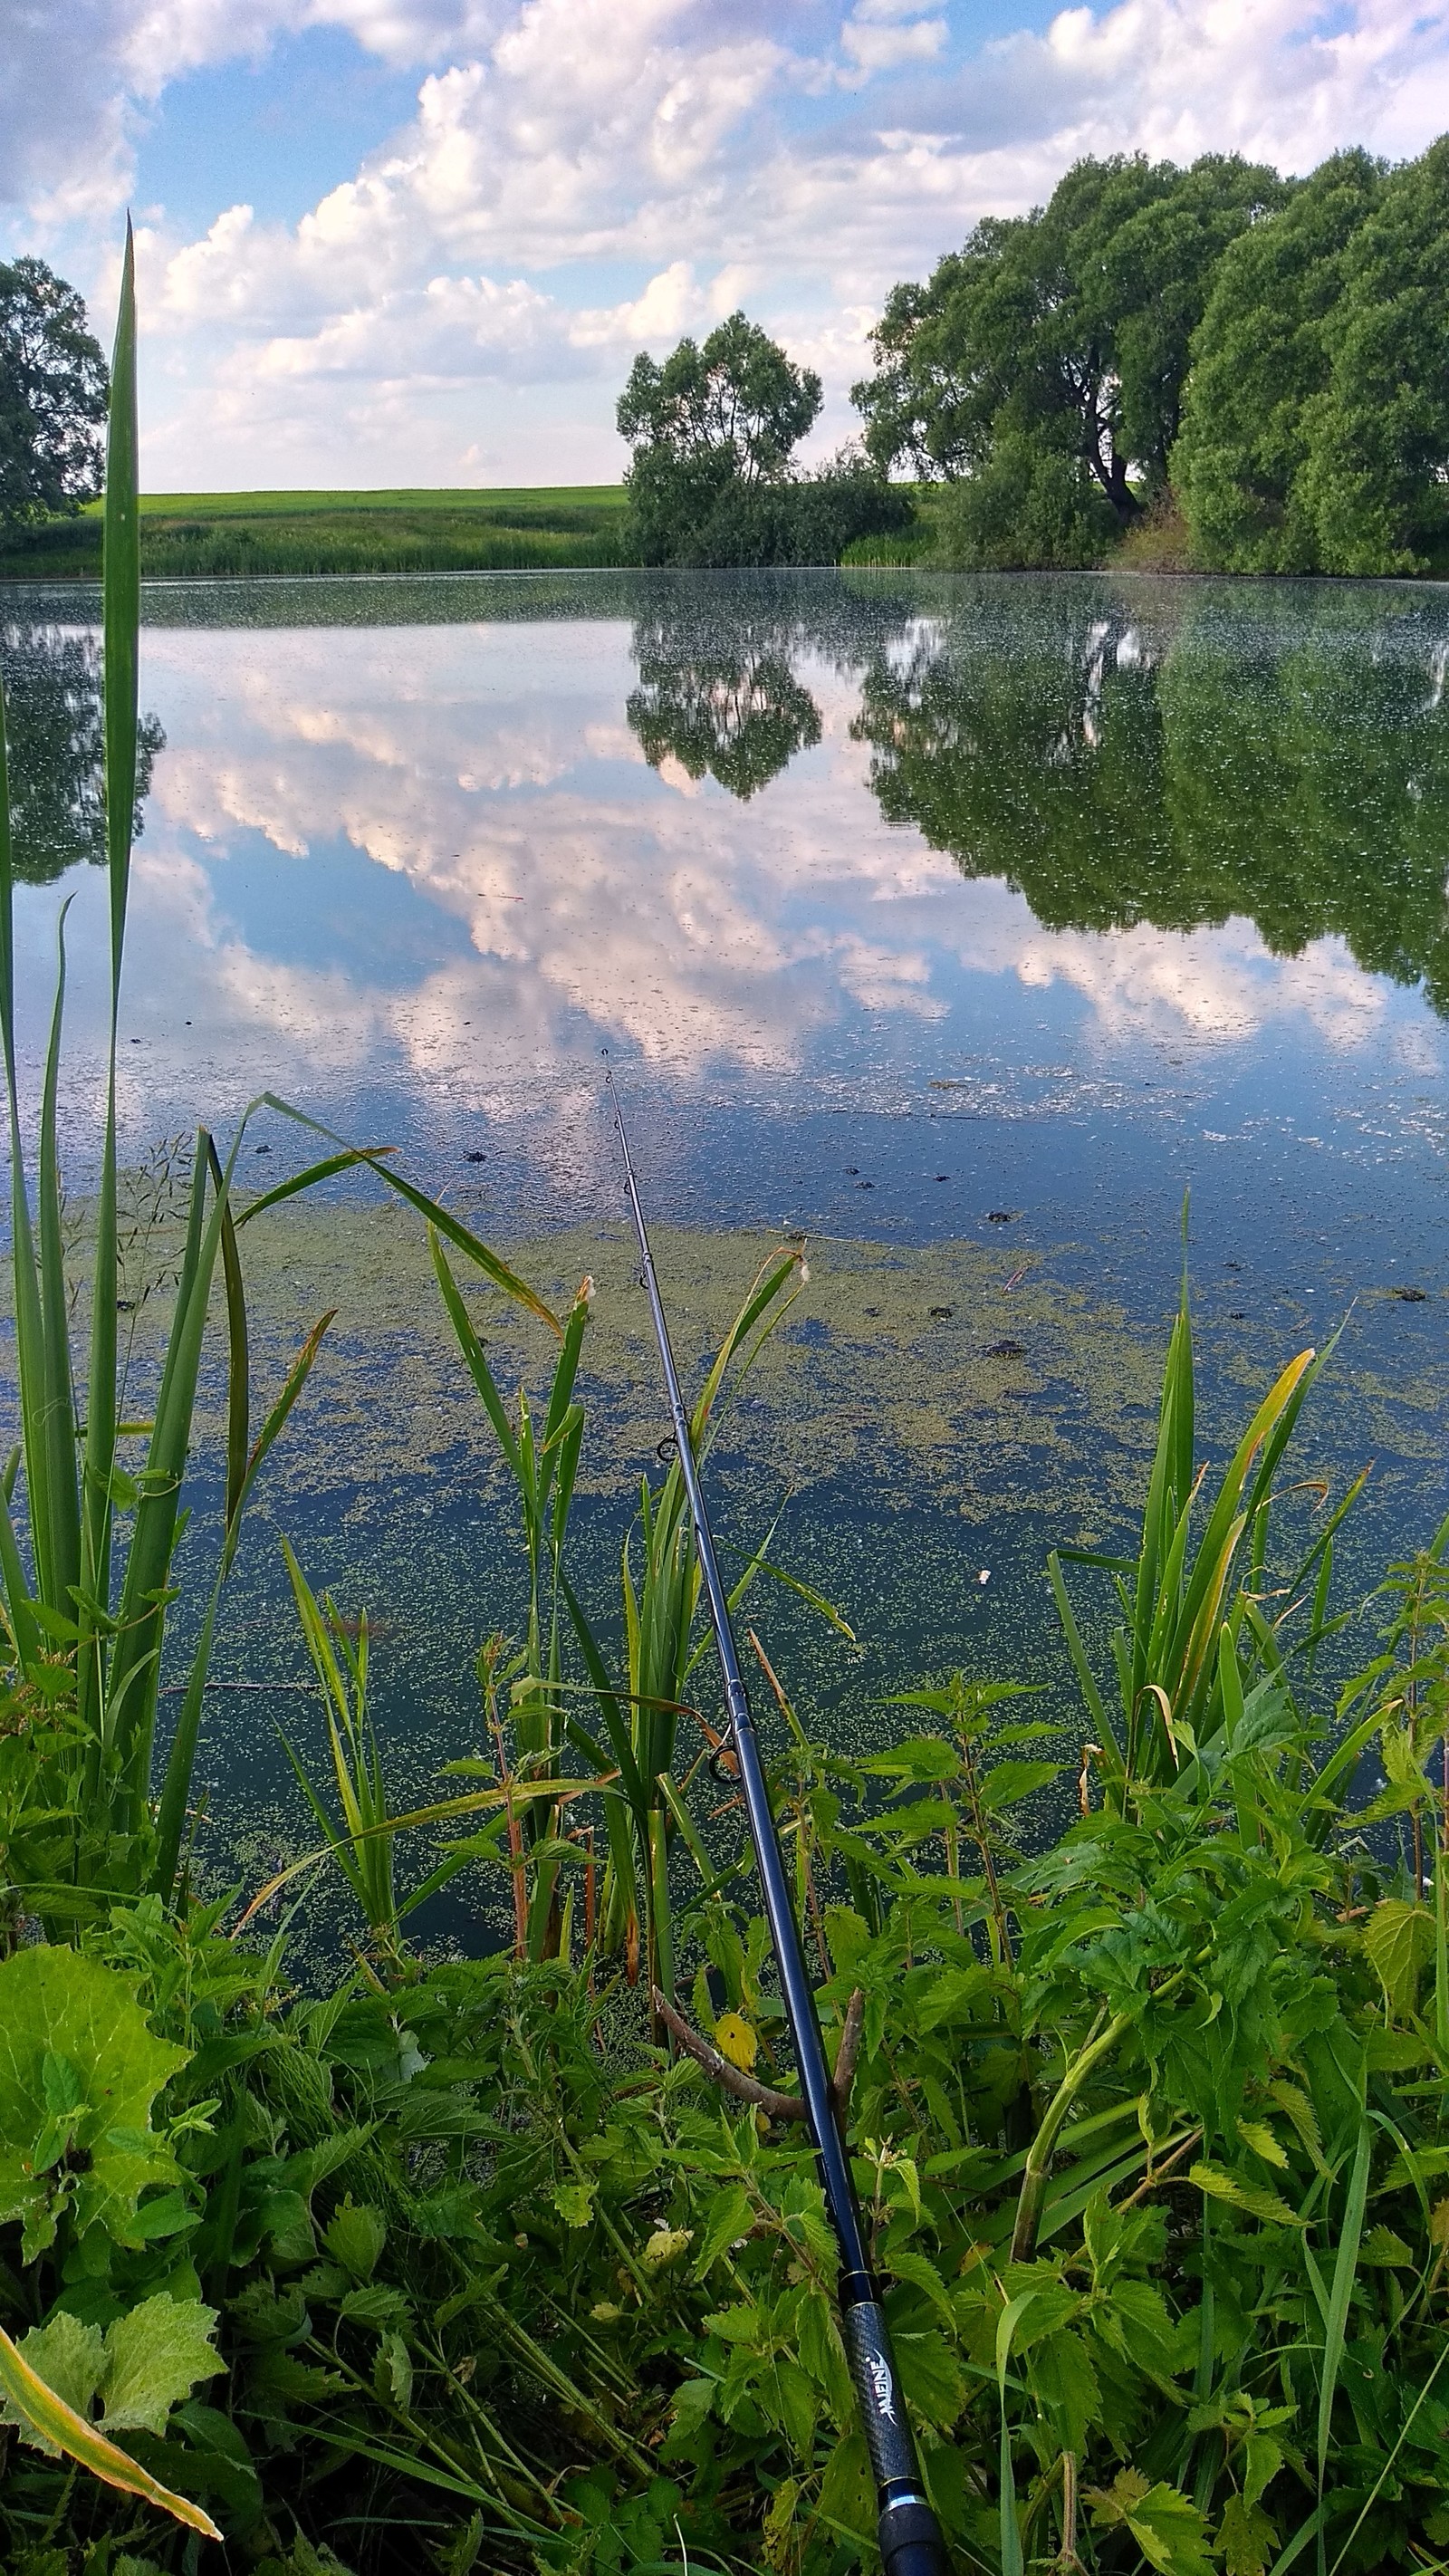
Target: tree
(55, 733)
(54, 388)
(1259, 358)
(1375, 481)
(1156, 265)
(710, 423)
(1042, 365)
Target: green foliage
(713, 432)
(1146, 2120)
(53, 397)
(728, 707)
(1043, 364)
(1316, 433)
(81, 2070)
(710, 422)
(52, 681)
(230, 535)
(1029, 504)
(1260, 358)
(147, 2362)
(1379, 435)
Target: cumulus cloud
(579, 174)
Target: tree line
(1264, 361)
(1257, 366)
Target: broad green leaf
(574, 2202)
(1383, 2247)
(920, 1757)
(70, 2358)
(931, 2377)
(155, 2355)
(1257, 2135)
(1168, 2528)
(731, 2215)
(354, 2237)
(918, 2269)
(1065, 2384)
(792, 2399)
(742, 2324)
(393, 2371)
(56, 2423)
(1010, 1782)
(375, 2306)
(56, 2004)
(1247, 2538)
(1262, 2459)
(847, 2491)
(1249, 2196)
(1399, 1939)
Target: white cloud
(582, 175)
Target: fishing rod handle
(910, 2536)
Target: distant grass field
(226, 534)
(594, 499)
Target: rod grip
(911, 2543)
(910, 2536)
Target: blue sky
(418, 241)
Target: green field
(596, 500)
(227, 534)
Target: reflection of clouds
(669, 919)
(326, 1025)
(546, 888)
(1212, 984)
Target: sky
(408, 242)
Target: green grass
(226, 534)
(505, 503)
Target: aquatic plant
(638, 1706)
(1150, 2138)
(91, 1507)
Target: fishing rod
(910, 2536)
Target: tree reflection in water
(717, 694)
(1289, 765)
(55, 738)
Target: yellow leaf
(59, 2424)
(1257, 2135)
(735, 2040)
(666, 2244)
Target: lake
(963, 924)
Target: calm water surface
(957, 921)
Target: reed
(91, 1503)
(638, 1703)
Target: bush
(717, 521)
(1030, 507)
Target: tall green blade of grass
(58, 1395)
(176, 1786)
(29, 1325)
(136, 1662)
(1345, 2272)
(121, 617)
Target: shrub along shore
(520, 2262)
